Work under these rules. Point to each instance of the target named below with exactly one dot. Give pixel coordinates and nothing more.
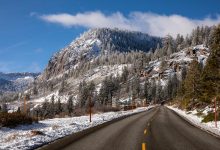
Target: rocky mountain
(161, 69)
(102, 53)
(97, 42)
(16, 82)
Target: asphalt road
(168, 131)
(155, 129)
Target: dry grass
(55, 127)
(12, 137)
(36, 132)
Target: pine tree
(83, 93)
(158, 92)
(152, 90)
(211, 72)
(183, 73)
(58, 107)
(192, 83)
(70, 105)
(146, 88)
(45, 108)
(52, 106)
(136, 86)
(175, 85)
(62, 86)
(195, 36)
(19, 110)
(163, 65)
(35, 90)
(169, 88)
(4, 108)
(169, 50)
(124, 75)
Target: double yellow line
(144, 146)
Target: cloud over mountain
(152, 23)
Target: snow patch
(21, 137)
(196, 120)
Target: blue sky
(31, 31)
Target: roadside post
(216, 116)
(91, 97)
(25, 105)
(90, 110)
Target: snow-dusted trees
(168, 45)
(124, 75)
(135, 86)
(35, 90)
(62, 86)
(58, 107)
(159, 92)
(44, 113)
(4, 108)
(108, 89)
(146, 89)
(70, 105)
(152, 90)
(179, 42)
(171, 88)
(85, 92)
(211, 73)
(163, 65)
(52, 106)
(183, 73)
(201, 35)
(137, 58)
(192, 81)
(124, 41)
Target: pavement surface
(168, 131)
(156, 129)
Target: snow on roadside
(21, 137)
(197, 121)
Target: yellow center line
(145, 131)
(144, 146)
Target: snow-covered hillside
(97, 75)
(16, 82)
(176, 62)
(23, 137)
(97, 42)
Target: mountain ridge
(16, 82)
(97, 42)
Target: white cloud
(154, 24)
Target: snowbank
(197, 121)
(22, 137)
